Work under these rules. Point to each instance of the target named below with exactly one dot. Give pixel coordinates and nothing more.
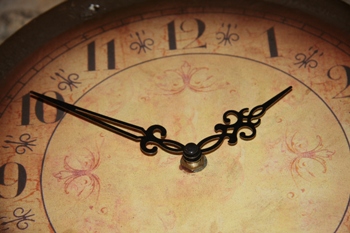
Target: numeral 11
(91, 56)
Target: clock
(193, 116)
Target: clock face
(182, 67)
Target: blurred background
(15, 13)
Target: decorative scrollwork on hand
(231, 131)
(166, 144)
(245, 121)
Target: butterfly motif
(317, 153)
(78, 175)
(177, 80)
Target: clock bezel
(91, 18)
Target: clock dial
(180, 66)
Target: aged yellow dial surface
(181, 66)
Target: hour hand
(145, 137)
(245, 119)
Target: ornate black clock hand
(248, 121)
(145, 137)
(194, 159)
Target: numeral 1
(171, 35)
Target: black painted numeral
(25, 110)
(172, 34)
(91, 56)
(110, 55)
(12, 185)
(39, 110)
(345, 92)
(271, 39)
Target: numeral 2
(342, 93)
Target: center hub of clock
(192, 152)
(192, 158)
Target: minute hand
(145, 137)
(248, 121)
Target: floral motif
(319, 154)
(24, 142)
(20, 217)
(78, 175)
(66, 82)
(141, 44)
(176, 80)
(303, 60)
(227, 36)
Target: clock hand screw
(192, 158)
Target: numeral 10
(39, 110)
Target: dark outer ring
(75, 12)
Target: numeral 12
(172, 34)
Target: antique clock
(186, 116)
